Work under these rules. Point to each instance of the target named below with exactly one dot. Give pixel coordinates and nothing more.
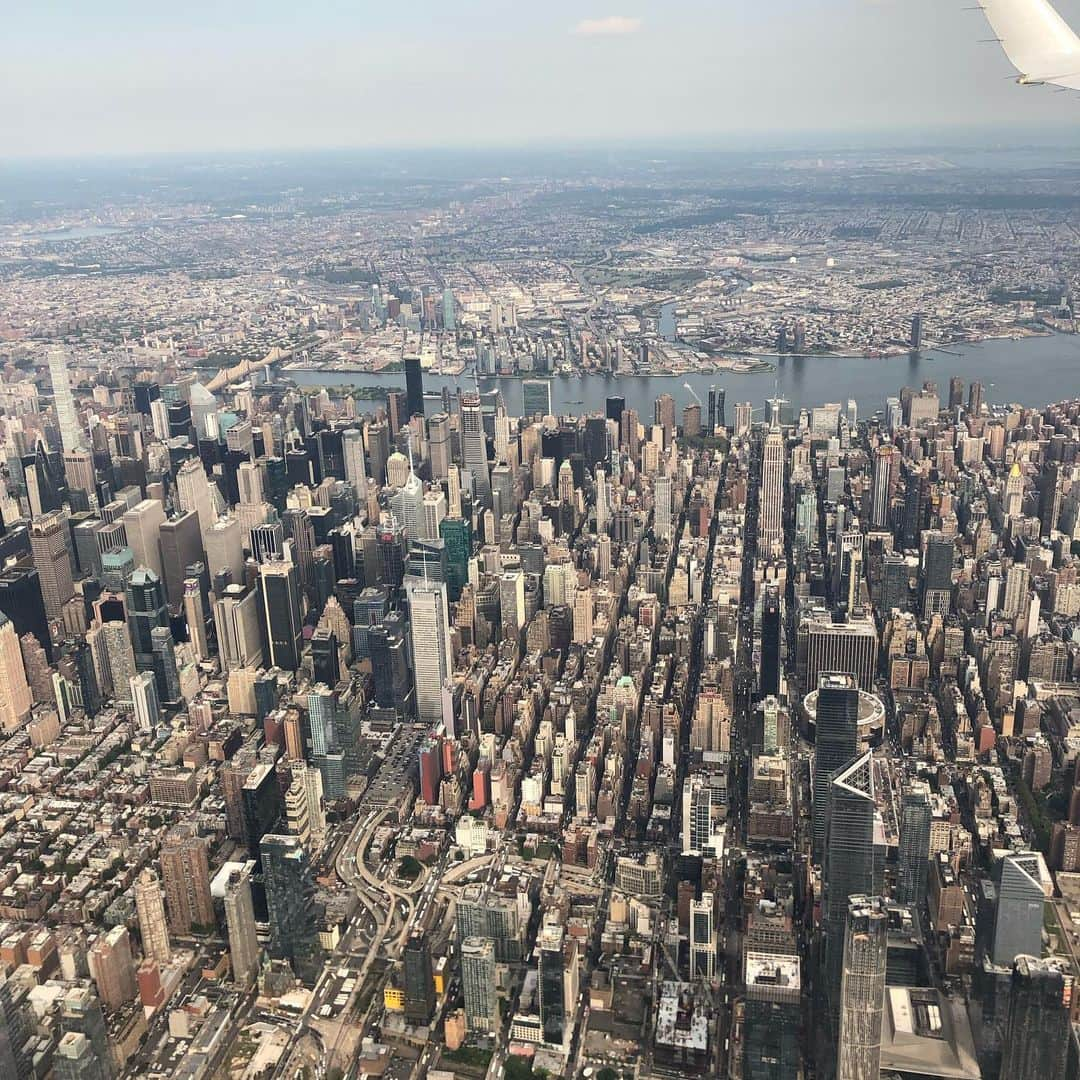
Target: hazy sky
(123, 76)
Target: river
(1030, 371)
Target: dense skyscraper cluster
(434, 718)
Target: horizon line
(1051, 136)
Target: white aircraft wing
(1039, 43)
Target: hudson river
(1031, 371)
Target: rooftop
(925, 1033)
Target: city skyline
(581, 580)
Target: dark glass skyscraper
(849, 859)
(419, 980)
(368, 611)
(458, 536)
(42, 483)
(772, 1016)
(414, 386)
(1037, 1030)
(294, 934)
(388, 648)
(21, 601)
(276, 483)
(914, 845)
(280, 589)
(147, 611)
(836, 742)
(595, 443)
(262, 804)
(326, 667)
(163, 658)
(770, 642)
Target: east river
(1030, 371)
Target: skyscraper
(703, 937)
(771, 511)
(937, 574)
(770, 642)
(266, 542)
(744, 413)
(1014, 491)
(772, 1015)
(862, 989)
(194, 608)
(75, 1059)
(849, 859)
(849, 647)
(293, 932)
(389, 664)
(142, 689)
(142, 524)
(429, 620)
(80, 1013)
(194, 494)
(22, 602)
(150, 909)
(79, 471)
(280, 590)
(914, 845)
(112, 968)
(419, 980)
(414, 385)
(512, 602)
(439, 446)
(181, 545)
(15, 698)
(249, 485)
(224, 546)
(15, 1031)
(352, 449)
(64, 401)
(662, 509)
(474, 446)
(836, 741)
(879, 500)
(1021, 900)
(163, 660)
(186, 873)
(1016, 590)
(42, 482)
(147, 611)
(49, 546)
(237, 617)
(240, 922)
(478, 984)
(1037, 1030)
(558, 983)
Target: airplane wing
(1039, 43)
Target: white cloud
(610, 25)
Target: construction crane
(693, 393)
